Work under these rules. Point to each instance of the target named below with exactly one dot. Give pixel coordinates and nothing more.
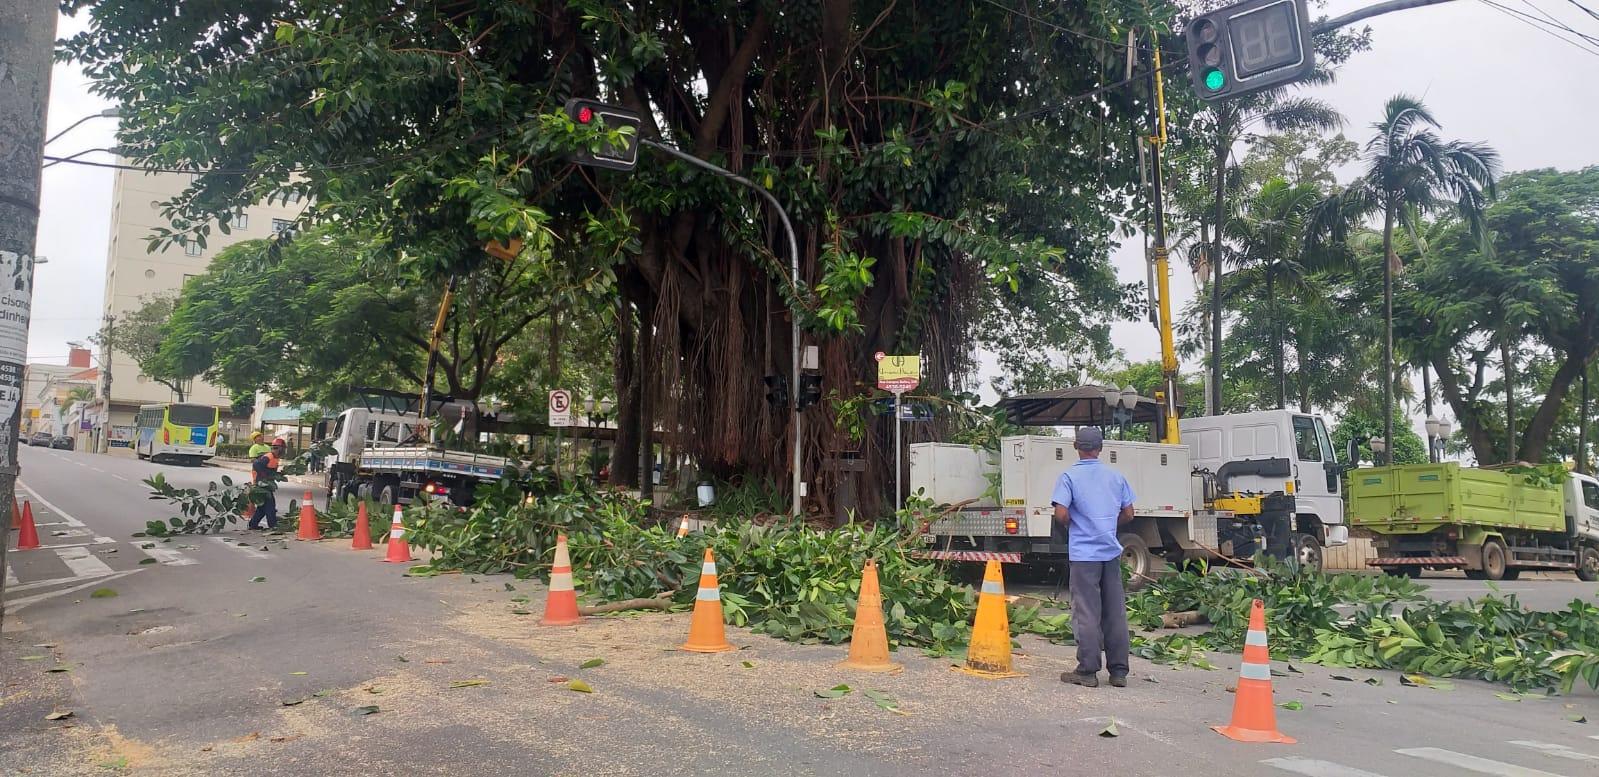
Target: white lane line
(121, 478)
(41, 500)
(13, 606)
(11, 578)
(97, 469)
(82, 563)
(1558, 751)
(169, 557)
(251, 552)
(1311, 767)
(1472, 763)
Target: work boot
(1085, 679)
(1118, 681)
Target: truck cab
(1259, 451)
(358, 429)
(1582, 519)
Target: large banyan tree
(955, 169)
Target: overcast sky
(1485, 75)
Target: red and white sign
(560, 408)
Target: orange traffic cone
(308, 529)
(399, 550)
(682, 527)
(28, 534)
(988, 655)
(362, 539)
(706, 632)
(1254, 717)
(868, 646)
(560, 607)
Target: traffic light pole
(26, 40)
(1370, 11)
(794, 269)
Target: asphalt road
(192, 668)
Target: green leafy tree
(907, 140)
(138, 334)
(1411, 172)
(1363, 425)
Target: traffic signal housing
(776, 389)
(1249, 46)
(810, 391)
(623, 154)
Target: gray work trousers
(1099, 615)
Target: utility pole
(27, 39)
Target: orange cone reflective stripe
(560, 606)
(308, 529)
(1254, 716)
(399, 549)
(989, 655)
(706, 631)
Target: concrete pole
(27, 37)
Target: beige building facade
(134, 275)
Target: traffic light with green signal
(1249, 46)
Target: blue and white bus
(175, 431)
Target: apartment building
(133, 275)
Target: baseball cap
(279, 441)
(1089, 438)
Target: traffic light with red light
(1249, 46)
(623, 154)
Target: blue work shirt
(1093, 494)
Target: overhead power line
(1544, 27)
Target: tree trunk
(1582, 427)
(1388, 330)
(1483, 447)
(1304, 373)
(1510, 398)
(1426, 401)
(624, 464)
(1535, 440)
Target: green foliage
(139, 334)
(202, 512)
(1362, 424)
(511, 525)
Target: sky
(1486, 76)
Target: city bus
(177, 432)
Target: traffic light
(1249, 46)
(810, 390)
(619, 156)
(776, 390)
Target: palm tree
(1233, 119)
(1411, 173)
(1268, 232)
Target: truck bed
(1419, 498)
(423, 459)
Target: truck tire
(1494, 560)
(1412, 571)
(1513, 573)
(1136, 555)
(1588, 565)
(1307, 552)
(388, 492)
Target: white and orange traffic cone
(1254, 716)
(308, 529)
(868, 645)
(988, 655)
(706, 631)
(560, 607)
(399, 549)
(682, 527)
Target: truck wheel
(1588, 565)
(1512, 574)
(1136, 555)
(388, 493)
(1307, 552)
(1493, 560)
(1475, 574)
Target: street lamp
(1438, 431)
(1379, 451)
(109, 113)
(1121, 401)
(598, 409)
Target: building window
(280, 226)
(191, 248)
(240, 220)
(293, 197)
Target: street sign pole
(898, 374)
(899, 491)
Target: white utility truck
(379, 453)
(1232, 489)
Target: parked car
(41, 438)
(62, 443)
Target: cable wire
(1540, 25)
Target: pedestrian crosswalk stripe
(82, 563)
(227, 542)
(1558, 751)
(169, 557)
(1311, 767)
(11, 577)
(1473, 763)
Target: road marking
(121, 478)
(1558, 751)
(58, 511)
(11, 578)
(1472, 763)
(82, 563)
(27, 600)
(1310, 767)
(227, 542)
(97, 469)
(169, 557)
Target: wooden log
(661, 602)
(1177, 620)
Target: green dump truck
(1492, 523)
